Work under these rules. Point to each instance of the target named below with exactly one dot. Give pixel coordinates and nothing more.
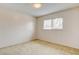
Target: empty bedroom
(39, 29)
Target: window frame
(53, 26)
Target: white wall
(69, 36)
(15, 27)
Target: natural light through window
(47, 24)
(56, 23)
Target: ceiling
(45, 9)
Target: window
(56, 23)
(47, 24)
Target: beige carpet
(38, 47)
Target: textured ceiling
(45, 9)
